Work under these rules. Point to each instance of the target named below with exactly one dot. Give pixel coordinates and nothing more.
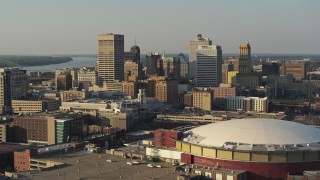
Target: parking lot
(81, 165)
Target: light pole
(173, 174)
(79, 173)
(98, 168)
(152, 173)
(59, 171)
(168, 168)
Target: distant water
(77, 62)
(90, 60)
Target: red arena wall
(256, 170)
(166, 138)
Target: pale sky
(42, 27)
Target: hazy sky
(71, 27)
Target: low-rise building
(33, 106)
(74, 95)
(206, 118)
(221, 93)
(250, 80)
(7, 155)
(88, 75)
(188, 100)
(257, 104)
(22, 159)
(202, 99)
(117, 113)
(48, 129)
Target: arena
(263, 148)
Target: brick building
(7, 155)
(22, 159)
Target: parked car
(135, 162)
(159, 166)
(129, 163)
(109, 160)
(150, 165)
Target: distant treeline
(13, 61)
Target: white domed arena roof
(253, 131)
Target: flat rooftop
(5, 148)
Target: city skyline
(50, 28)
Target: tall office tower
(131, 69)
(184, 66)
(166, 90)
(171, 67)
(142, 96)
(111, 57)
(245, 77)
(193, 46)
(208, 66)
(72, 71)
(133, 54)
(234, 62)
(13, 85)
(152, 60)
(132, 65)
(64, 82)
(245, 59)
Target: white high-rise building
(193, 46)
(111, 57)
(208, 66)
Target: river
(77, 62)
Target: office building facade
(88, 75)
(296, 68)
(132, 68)
(110, 57)
(193, 46)
(152, 61)
(64, 82)
(256, 104)
(171, 67)
(208, 66)
(166, 90)
(13, 85)
(133, 54)
(245, 59)
(202, 99)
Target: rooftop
(5, 148)
(257, 134)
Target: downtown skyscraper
(245, 59)
(193, 46)
(208, 66)
(13, 85)
(110, 58)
